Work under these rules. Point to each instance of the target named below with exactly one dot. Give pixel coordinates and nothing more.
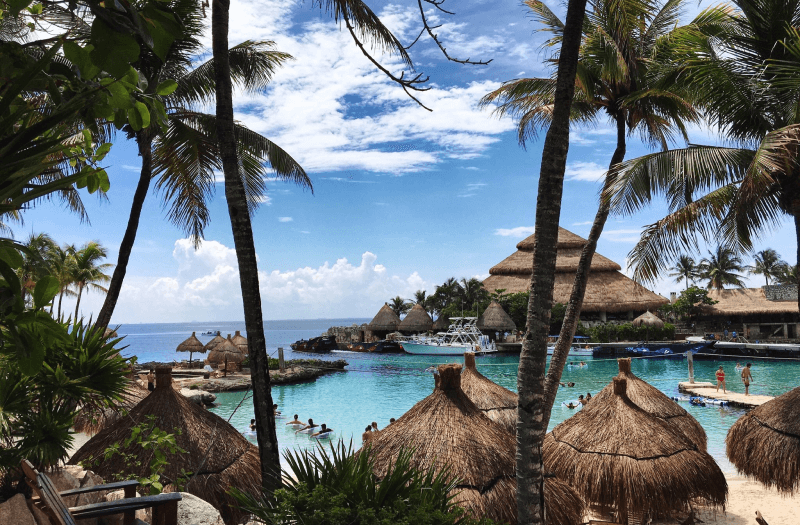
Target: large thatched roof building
(447, 429)
(218, 455)
(608, 290)
(385, 320)
(762, 313)
(416, 320)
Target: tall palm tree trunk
(77, 303)
(531, 424)
(60, 296)
(796, 209)
(573, 312)
(245, 252)
(144, 142)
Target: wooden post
(281, 362)
(690, 359)
(785, 331)
(226, 367)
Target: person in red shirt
(721, 379)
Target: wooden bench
(49, 500)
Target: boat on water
(324, 343)
(655, 348)
(744, 349)
(211, 332)
(579, 347)
(462, 336)
(375, 347)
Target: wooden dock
(735, 399)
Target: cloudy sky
(403, 198)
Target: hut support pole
(690, 360)
(281, 362)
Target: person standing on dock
(721, 380)
(747, 378)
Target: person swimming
(367, 435)
(323, 430)
(252, 424)
(295, 422)
(310, 425)
(581, 400)
(275, 410)
(570, 405)
(588, 396)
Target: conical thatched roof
(620, 457)
(608, 290)
(498, 403)
(446, 428)
(225, 350)
(385, 320)
(656, 403)
(240, 341)
(214, 342)
(92, 421)
(219, 456)
(416, 320)
(442, 323)
(765, 442)
(192, 344)
(648, 319)
(495, 318)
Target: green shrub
(607, 333)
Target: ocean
(376, 387)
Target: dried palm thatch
(191, 345)
(496, 319)
(214, 342)
(446, 429)
(240, 341)
(498, 403)
(226, 352)
(442, 323)
(91, 421)
(765, 443)
(416, 320)
(385, 320)
(648, 319)
(608, 290)
(656, 403)
(622, 458)
(746, 301)
(218, 455)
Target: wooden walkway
(709, 390)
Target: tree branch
(427, 27)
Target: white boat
(462, 336)
(576, 349)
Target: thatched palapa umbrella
(656, 403)
(622, 458)
(218, 455)
(442, 323)
(649, 320)
(447, 429)
(496, 319)
(498, 403)
(765, 443)
(385, 320)
(226, 353)
(240, 341)
(214, 342)
(416, 320)
(91, 421)
(191, 345)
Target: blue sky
(403, 198)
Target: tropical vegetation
(720, 268)
(685, 269)
(688, 304)
(767, 263)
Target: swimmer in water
(570, 405)
(275, 410)
(324, 430)
(295, 422)
(310, 425)
(252, 424)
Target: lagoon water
(376, 387)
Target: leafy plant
(689, 303)
(607, 332)
(338, 487)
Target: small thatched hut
(498, 403)
(91, 421)
(446, 428)
(218, 455)
(648, 319)
(624, 460)
(495, 319)
(240, 341)
(385, 320)
(656, 403)
(416, 320)
(226, 354)
(214, 342)
(191, 345)
(765, 443)
(608, 291)
(442, 323)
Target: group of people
(745, 372)
(581, 401)
(372, 431)
(310, 428)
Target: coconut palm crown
(720, 268)
(685, 268)
(767, 263)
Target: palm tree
(399, 305)
(685, 268)
(472, 292)
(35, 261)
(744, 73)
(183, 156)
(62, 261)
(720, 267)
(86, 272)
(767, 263)
(788, 275)
(421, 298)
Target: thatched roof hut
(214, 342)
(91, 421)
(746, 301)
(218, 455)
(607, 290)
(648, 319)
(498, 403)
(622, 458)
(656, 403)
(240, 341)
(446, 428)
(385, 320)
(496, 319)
(191, 345)
(416, 320)
(442, 323)
(225, 352)
(765, 443)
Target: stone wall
(784, 292)
(349, 334)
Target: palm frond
(551, 23)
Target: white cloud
(584, 223)
(585, 171)
(285, 219)
(265, 200)
(623, 235)
(519, 231)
